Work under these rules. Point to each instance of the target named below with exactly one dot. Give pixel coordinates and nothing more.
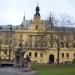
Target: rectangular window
(6, 51)
(67, 45)
(62, 44)
(30, 41)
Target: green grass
(53, 69)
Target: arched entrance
(51, 58)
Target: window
(30, 40)
(74, 55)
(5, 51)
(36, 27)
(61, 36)
(44, 44)
(62, 55)
(30, 54)
(67, 55)
(67, 45)
(10, 42)
(74, 45)
(41, 54)
(62, 44)
(36, 54)
(35, 44)
(11, 28)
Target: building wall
(38, 42)
(45, 57)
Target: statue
(20, 61)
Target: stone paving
(13, 71)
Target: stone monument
(20, 62)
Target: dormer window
(36, 27)
(11, 28)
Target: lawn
(53, 69)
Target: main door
(51, 58)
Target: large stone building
(40, 40)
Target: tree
(57, 39)
(67, 20)
(58, 42)
(59, 26)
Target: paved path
(11, 71)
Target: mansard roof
(7, 28)
(27, 24)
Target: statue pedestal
(27, 66)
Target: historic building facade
(41, 42)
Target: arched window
(10, 27)
(74, 55)
(67, 55)
(62, 55)
(35, 54)
(30, 54)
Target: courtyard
(42, 69)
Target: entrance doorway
(51, 58)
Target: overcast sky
(12, 11)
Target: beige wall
(45, 37)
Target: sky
(12, 11)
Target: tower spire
(37, 2)
(37, 11)
(24, 17)
(51, 20)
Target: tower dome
(37, 11)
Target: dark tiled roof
(7, 28)
(27, 24)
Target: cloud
(12, 11)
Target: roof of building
(26, 24)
